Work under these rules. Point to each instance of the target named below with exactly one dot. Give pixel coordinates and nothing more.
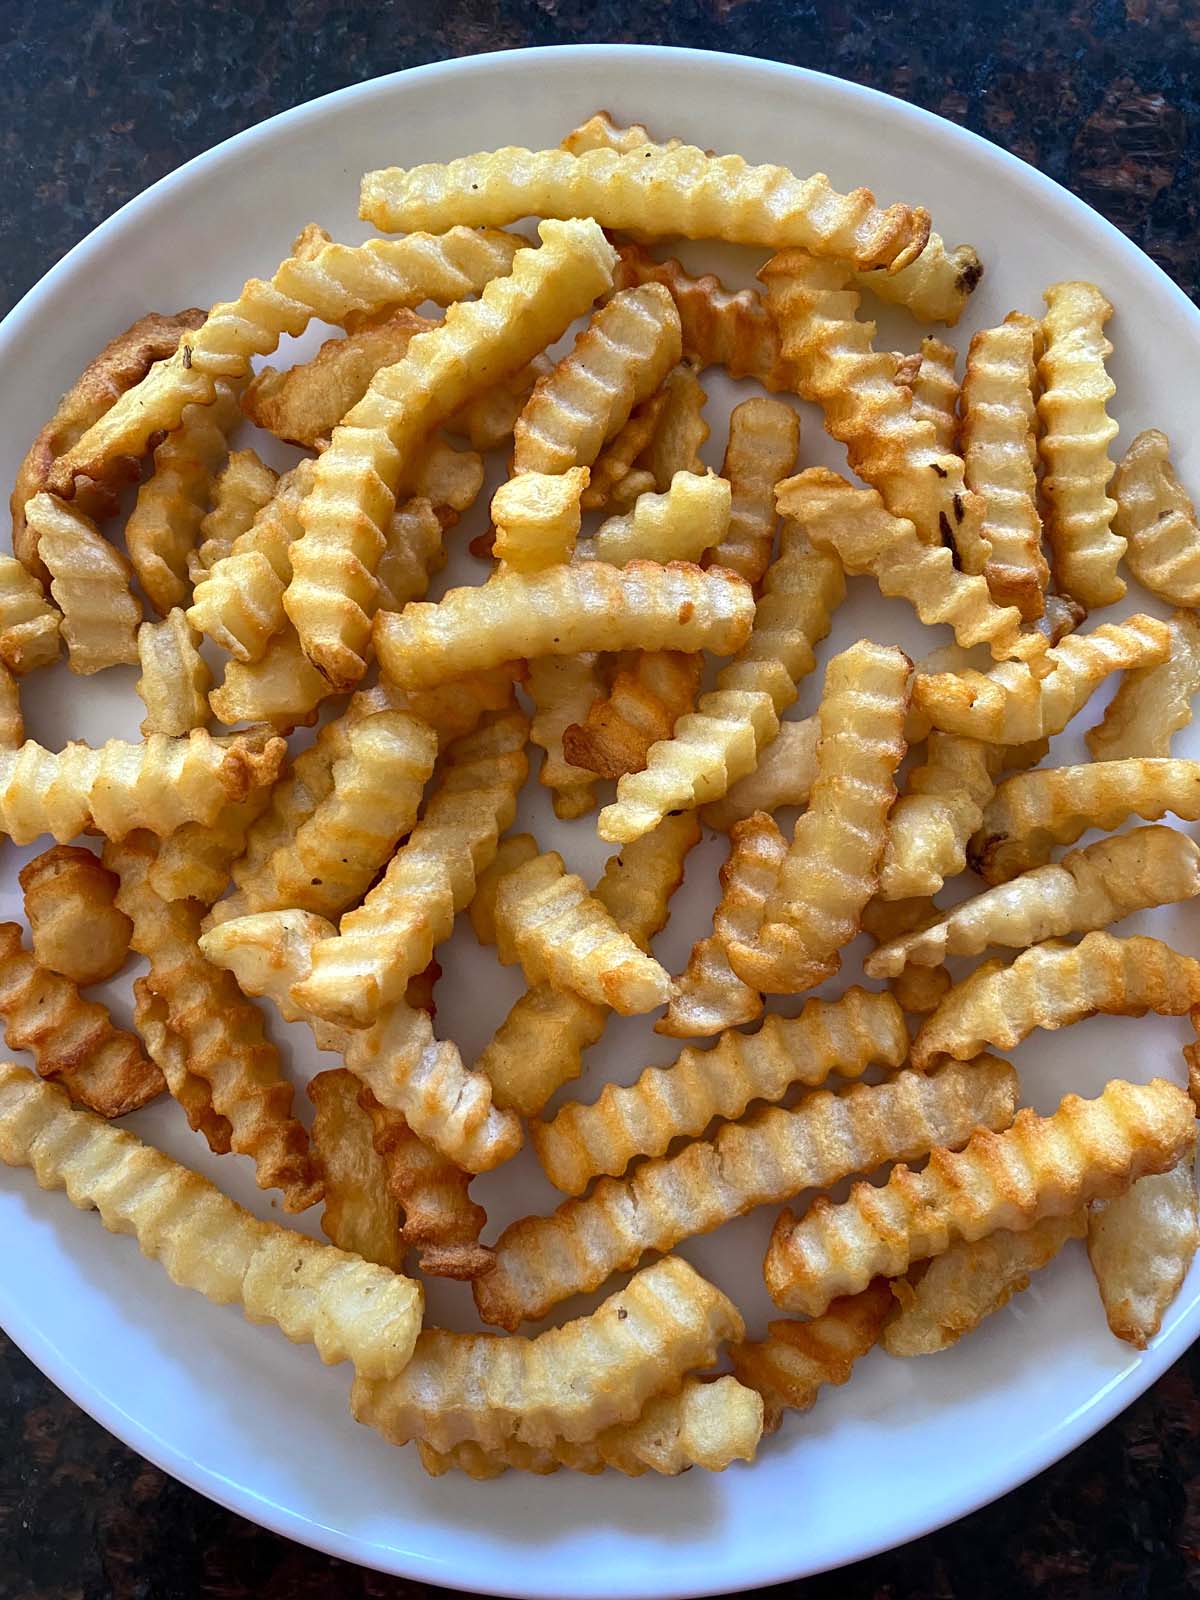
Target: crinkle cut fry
(933, 385)
(540, 1044)
(1141, 1245)
(348, 1308)
(333, 589)
(932, 822)
(75, 928)
(333, 283)
(1152, 703)
(796, 1360)
(169, 1053)
(1084, 892)
(159, 784)
(537, 519)
(29, 624)
(1054, 985)
(71, 1039)
(708, 1424)
(681, 523)
(1155, 515)
(221, 1030)
(643, 704)
(360, 1215)
(767, 1158)
(613, 469)
(583, 606)
(764, 436)
(783, 777)
(845, 1036)
(563, 690)
(619, 360)
(665, 191)
(241, 489)
(708, 996)
(1041, 1167)
(175, 678)
(1034, 811)
(90, 584)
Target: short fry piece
(679, 432)
(75, 927)
(1152, 703)
(1156, 517)
(194, 862)
(242, 488)
(932, 822)
(783, 777)
(934, 390)
(1141, 1245)
(512, 852)
(537, 519)
(708, 996)
(765, 1159)
(1052, 986)
(175, 679)
(29, 624)
(764, 436)
(1041, 1167)
(1076, 433)
(613, 478)
(971, 1281)
(349, 1309)
(563, 690)
(360, 1215)
(643, 704)
(90, 582)
(681, 524)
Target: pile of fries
(321, 876)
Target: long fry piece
(90, 582)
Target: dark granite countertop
(98, 98)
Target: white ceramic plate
(259, 1425)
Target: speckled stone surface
(98, 100)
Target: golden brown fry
(971, 1281)
(91, 586)
(164, 526)
(845, 1036)
(643, 704)
(537, 518)
(241, 489)
(29, 624)
(333, 590)
(1034, 811)
(169, 1054)
(1052, 986)
(488, 419)
(831, 868)
(1152, 703)
(767, 1158)
(653, 189)
(999, 448)
(175, 679)
(194, 862)
(682, 524)
(920, 990)
(361, 1215)
(348, 1308)
(159, 784)
(708, 996)
(932, 822)
(619, 359)
(783, 777)
(540, 1044)
(1156, 517)
(74, 925)
(72, 1040)
(934, 390)
(221, 1030)
(512, 852)
(764, 436)
(392, 935)
(282, 689)
(587, 605)
(1041, 1167)
(122, 363)
(797, 1359)
(1076, 434)
(563, 690)
(1141, 1245)
(1009, 705)
(547, 920)
(568, 1383)
(679, 432)
(1087, 890)
(612, 471)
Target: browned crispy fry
(933, 387)
(175, 679)
(71, 1039)
(764, 436)
(361, 1214)
(783, 777)
(74, 925)
(680, 430)
(920, 990)
(765, 1159)
(29, 624)
(1152, 703)
(613, 467)
(90, 583)
(1041, 1167)
(242, 488)
(643, 704)
(169, 1054)
(932, 822)
(1156, 517)
(1141, 1245)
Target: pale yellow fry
(832, 352)
(349, 1309)
(934, 390)
(845, 1036)
(1141, 1245)
(269, 951)
(563, 690)
(29, 624)
(708, 996)
(999, 449)
(855, 525)
(240, 490)
(333, 590)
(1042, 1167)
(713, 747)
(679, 432)
(1152, 704)
(708, 1424)
(791, 1366)
(586, 605)
(537, 518)
(159, 784)
(644, 701)
(175, 679)
(331, 282)
(74, 926)
(12, 723)
(1052, 986)
(568, 1383)
(90, 582)
(540, 1044)
(512, 852)
(164, 526)
(620, 359)
(971, 1281)
(1076, 433)
(194, 862)
(1034, 811)
(282, 688)
(1155, 515)
(764, 436)
(932, 822)
(831, 868)
(392, 935)
(360, 1216)
(1009, 705)
(783, 777)
(690, 517)
(767, 1158)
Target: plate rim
(38, 1345)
